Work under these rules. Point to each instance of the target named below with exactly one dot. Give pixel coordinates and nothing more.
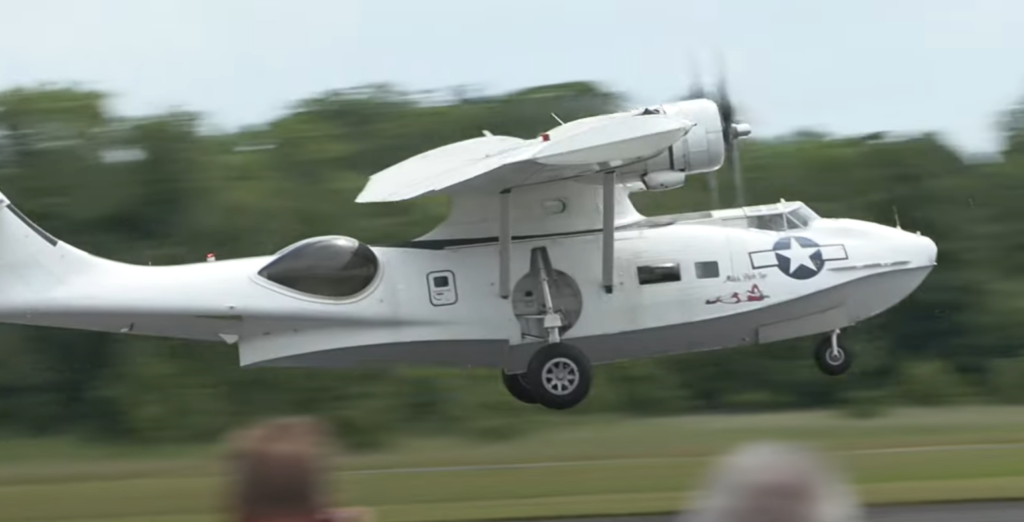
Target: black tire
(826, 360)
(559, 376)
(515, 383)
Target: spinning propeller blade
(697, 92)
(732, 130)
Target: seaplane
(541, 270)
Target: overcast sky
(844, 66)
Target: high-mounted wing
(495, 163)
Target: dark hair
(280, 467)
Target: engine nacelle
(701, 150)
(663, 180)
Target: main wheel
(559, 376)
(831, 360)
(516, 386)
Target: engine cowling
(701, 150)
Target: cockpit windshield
(780, 217)
(802, 216)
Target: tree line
(158, 190)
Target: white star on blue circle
(798, 257)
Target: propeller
(697, 92)
(732, 131)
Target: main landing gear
(831, 358)
(558, 375)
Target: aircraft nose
(929, 249)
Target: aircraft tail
(34, 262)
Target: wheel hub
(835, 356)
(560, 376)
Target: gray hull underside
(838, 307)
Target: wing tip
(370, 196)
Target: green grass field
(603, 466)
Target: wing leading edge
(490, 164)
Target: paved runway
(953, 512)
(533, 465)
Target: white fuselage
(752, 297)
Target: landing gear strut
(831, 358)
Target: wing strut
(504, 244)
(608, 233)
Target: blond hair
(731, 485)
(280, 468)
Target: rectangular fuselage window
(661, 273)
(706, 269)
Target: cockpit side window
(778, 221)
(336, 267)
(774, 222)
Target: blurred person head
(774, 482)
(279, 471)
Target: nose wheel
(831, 357)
